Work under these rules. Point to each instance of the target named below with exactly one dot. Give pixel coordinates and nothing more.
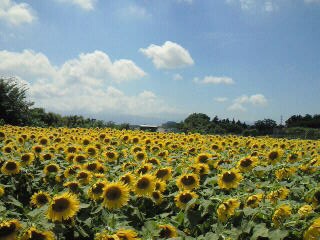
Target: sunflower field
(60, 183)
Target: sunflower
(157, 197)
(305, 210)
(46, 156)
(313, 232)
(167, 231)
(254, 200)
(115, 195)
(40, 198)
(72, 170)
(51, 168)
(274, 156)
(73, 186)
(203, 158)
(79, 159)
(247, 164)
(127, 234)
(160, 186)
(96, 190)
(285, 173)
(144, 168)
(10, 167)
(92, 166)
(128, 179)
(188, 181)
(104, 235)
(144, 185)
(280, 194)
(201, 168)
(26, 159)
(33, 233)
(153, 161)
(84, 177)
(183, 198)
(111, 156)
(164, 173)
(281, 214)
(63, 207)
(9, 229)
(37, 149)
(2, 191)
(140, 156)
(229, 179)
(227, 209)
(91, 150)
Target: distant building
(148, 128)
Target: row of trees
(307, 121)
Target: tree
(14, 107)
(265, 126)
(197, 122)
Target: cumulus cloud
(221, 99)
(214, 80)
(240, 103)
(177, 77)
(82, 84)
(168, 56)
(16, 13)
(86, 5)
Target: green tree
(14, 107)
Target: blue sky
(150, 61)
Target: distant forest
(15, 109)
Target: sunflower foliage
(61, 183)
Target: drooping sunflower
(63, 207)
(157, 197)
(167, 231)
(145, 185)
(227, 209)
(33, 233)
(127, 234)
(183, 198)
(164, 173)
(279, 194)
(2, 191)
(313, 232)
(281, 214)
(115, 195)
(284, 173)
(305, 210)
(10, 167)
(95, 192)
(254, 200)
(40, 198)
(247, 164)
(188, 181)
(229, 179)
(9, 229)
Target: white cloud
(214, 80)
(240, 102)
(177, 77)
(86, 5)
(221, 99)
(255, 5)
(135, 11)
(82, 84)
(168, 56)
(16, 13)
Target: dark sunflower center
(188, 180)
(113, 193)
(110, 155)
(156, 195)
(162, 173)
(73, 187)
(246, 162)
(37, 236)
(91, 151)
(72, 150)
(8, 149)
(165, 232)
(143, 170)
(7, 230)
(251, 201)
(52, 168)
(185, 198)
(293, 156)
(10, 166)
(228, 177)
(126, 179)
(38, 149)
(143, 183)
(317, 196)
(203, 158)
(273, 155)
(60, 205)
(25, 158)
(92, 166)
(140, 156)
(80, 159)
(98, 188)
(83, 175)
(42, 199)
(47, 156)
